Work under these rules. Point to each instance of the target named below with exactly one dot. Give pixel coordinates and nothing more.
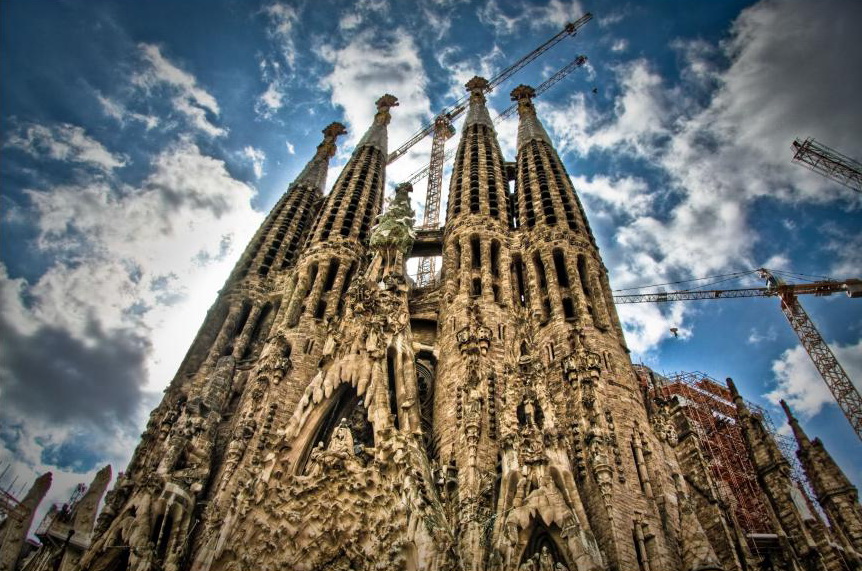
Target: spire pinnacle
(529, 127)
(376, 136)
(477, 112)
(801, 437)
(314, 173)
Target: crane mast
(443, 130)
(833, 374)
(828, 162)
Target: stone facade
(330, 415)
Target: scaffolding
(709, 407)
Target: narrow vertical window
(390, 373)
(495, 258)
(560, 267)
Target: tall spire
(376, 136)
(800, 435)
(314, 173)
(529, 128)
(478, 113)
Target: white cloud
(142, 248)
(64, 142)
(290, 148)
(350, 21)
(755, 336)
(282, 19)
(257, 157)
(189, 99)
(799, 383)
(555, 13)
(462, 68)
(620, 45)
(625, 194)
(646, 325)
(271, 100)
(119, 112)
(277, 67)
(371, 64)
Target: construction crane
(442, 130)
(828, 162)
(579, 61)
(830, 369)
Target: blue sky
(143, 143)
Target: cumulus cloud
(620, 45)
(626, 195)
(646, 325)
(799, 383)
(101, 329)
(755, 336)
(188, 98)
(277, 66)
(64, 142)
(271, 100)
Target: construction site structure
(66, 530)
(833, 374)
(828, 162)
(443, 129)
(330, 415)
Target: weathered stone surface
(328, 416)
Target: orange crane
(830, 369)
(442, 130)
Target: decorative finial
(383, 105)
(522, 92)
(334, 130)
(330, 134)
(477, 88)
(386, 102)
(477, 85)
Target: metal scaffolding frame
(709, 407)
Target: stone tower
(330, 415)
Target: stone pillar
(17, 524)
